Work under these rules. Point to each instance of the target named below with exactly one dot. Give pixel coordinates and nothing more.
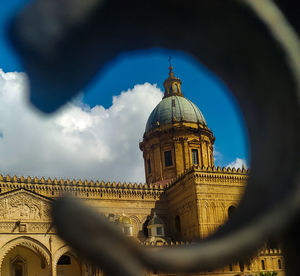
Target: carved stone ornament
(24, 205)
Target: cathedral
(185, 198)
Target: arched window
(263, 267)
(177, 224)
(231, 211)
(175, 88)
(64, 260)
(279, 264)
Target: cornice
(82, 188)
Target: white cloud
(77, 141)
(238, 163)
(218, 156)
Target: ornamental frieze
(23, 205)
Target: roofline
(29, 191)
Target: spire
(171, 73)
(172, 84)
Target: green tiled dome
(174, 109)
(155, 220)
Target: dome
(125, 220)
(155, 220)
(174, 109)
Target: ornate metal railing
(249, 44)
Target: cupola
(176, 136)
(172, 85)
(156, 227)
(126, 225)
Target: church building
(185, 198)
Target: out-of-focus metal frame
(249, 44)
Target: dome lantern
(172, 84)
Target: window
(195, 158)
(149, 165)
(159, 231)
(168, 158)
(279, 264)
(263, 267)
(175, 88)
(64, 260)
(178, 224)
(231, 211)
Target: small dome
(155, 220)
(174, 109)
(125, 220)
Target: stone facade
(185, 198)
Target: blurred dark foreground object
(249, 44)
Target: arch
(135, 219)
(27, 242)
(62, 251)
(231, 210)
(136, 223)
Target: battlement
(101, 189)
(264, 252)
(212, 175)
(82, 188)
(166, 243)
(270, 252)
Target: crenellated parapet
(82, 188)
(270, 252)
(210, 175)
(166, 243)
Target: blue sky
(215, 101)
(218, 106)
